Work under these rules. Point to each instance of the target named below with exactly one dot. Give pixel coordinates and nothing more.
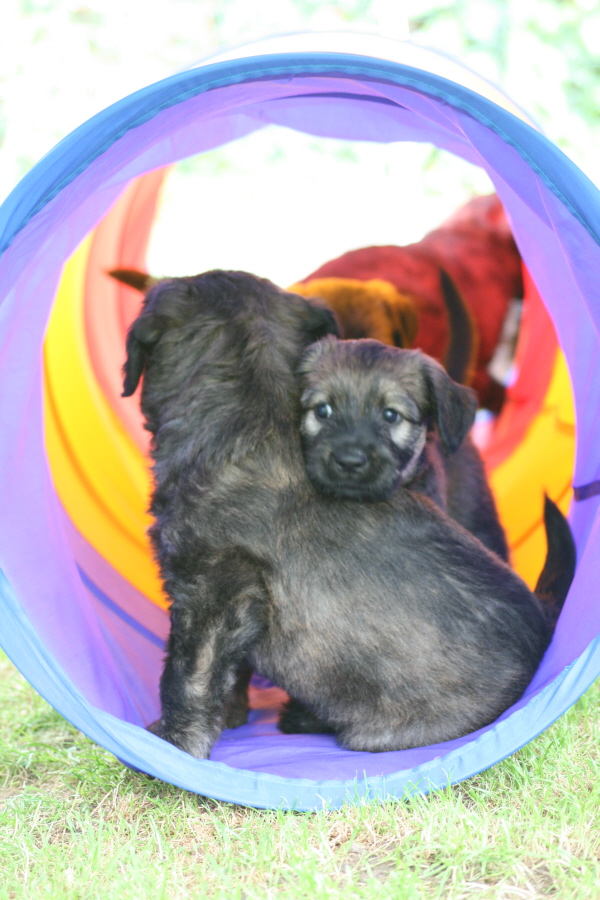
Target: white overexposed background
(280, 203)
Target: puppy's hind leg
(295, 718)
(215, 618)
(237, 707)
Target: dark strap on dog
(587, 490)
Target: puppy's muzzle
(351, 460)
(355, 469)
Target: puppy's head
(367, 309)
(215, 323)
(367, 411)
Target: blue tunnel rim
(71, 156)
(56, 171)
(262, 790)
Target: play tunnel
(83, 614)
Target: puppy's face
(367, 410)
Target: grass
(75, 824)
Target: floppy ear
(141, 337)
(320, 322)
(453, 406)
(313, 353)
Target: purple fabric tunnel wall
(97, 658)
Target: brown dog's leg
(215, 618)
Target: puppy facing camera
(368, 411)
(375, 418)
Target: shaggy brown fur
(475, 246)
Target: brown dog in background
(476, 248)
(367, 309)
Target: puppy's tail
(141, 281)
(461, 354)
(559, 569)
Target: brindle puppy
(369, 425)
(388, 622)
(457, 482)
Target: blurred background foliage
(61, 61)
(545, 54)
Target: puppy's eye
(323, 411)
(391, 416)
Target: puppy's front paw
(197, 745)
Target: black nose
(350, 459)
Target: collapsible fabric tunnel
(83, 616)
